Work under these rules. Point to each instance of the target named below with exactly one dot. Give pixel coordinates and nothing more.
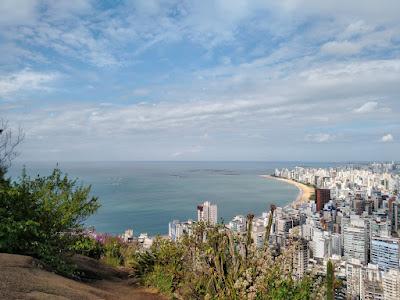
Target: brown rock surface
(22, 277)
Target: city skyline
(217, 80)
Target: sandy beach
(305, 191)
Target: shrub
(43, 217)
(113, 248)
(88, 246)
(214, 263)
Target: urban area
(352, 218)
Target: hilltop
(23, 277)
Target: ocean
(145, 196)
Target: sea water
(145, 196)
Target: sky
(288, 80)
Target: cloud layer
(230, 80)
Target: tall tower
(356, 239)
(207, 212)
(322, 196)
(394, 212)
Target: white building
(385, 252)
(127, 237)
(363, 282)
(354, 278)
(371, 288)
(145, 240)
(258, 232)
(321, 244)
(356, 239)
(238, 224)
(178, 229)
(336, 244)
(301, 258)
(391, 285)
(207, 212)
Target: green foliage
(162, 278)
(214, 263)
(330, 280)
(88, 246)
(112, 255)
(43, 216)
(129, 254)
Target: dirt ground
(22, 277)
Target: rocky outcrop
(23, 277)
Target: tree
(43, 217)
(330, 278)
(9, 141)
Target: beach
(305, 191)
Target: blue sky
(202, 80)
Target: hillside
(23, 277)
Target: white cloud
(144, 24)
(320, 138)
(288, 81)
(371, 107)
(18, 12)
(368, 107)
(188, 152)
(356, 28)
(341, 48)
(387, 138)
(25, 80)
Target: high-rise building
(301, 258)
(363, 281)
(380, 227)
(385, 252)
(391, 285)
(358, 204)
(207, 212)
(353, 278)
(371, 288)
(394, 211)
(322, 196)
(177, 229)
(356, 239)
(336, 244)
(321, 244)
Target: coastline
(305, 191)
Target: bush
(43, 217)
(113, 248)
(214, 263)
(88, 246)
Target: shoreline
(305, 191)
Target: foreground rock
(22, 277)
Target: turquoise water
(145, 196)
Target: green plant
(43, 216)
(113, 252)
(214, 263)
(330, 281)
(88, 246)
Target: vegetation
(214, 263)
(330, 280)
(88, 246)
(9, 140)
(43, 217)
